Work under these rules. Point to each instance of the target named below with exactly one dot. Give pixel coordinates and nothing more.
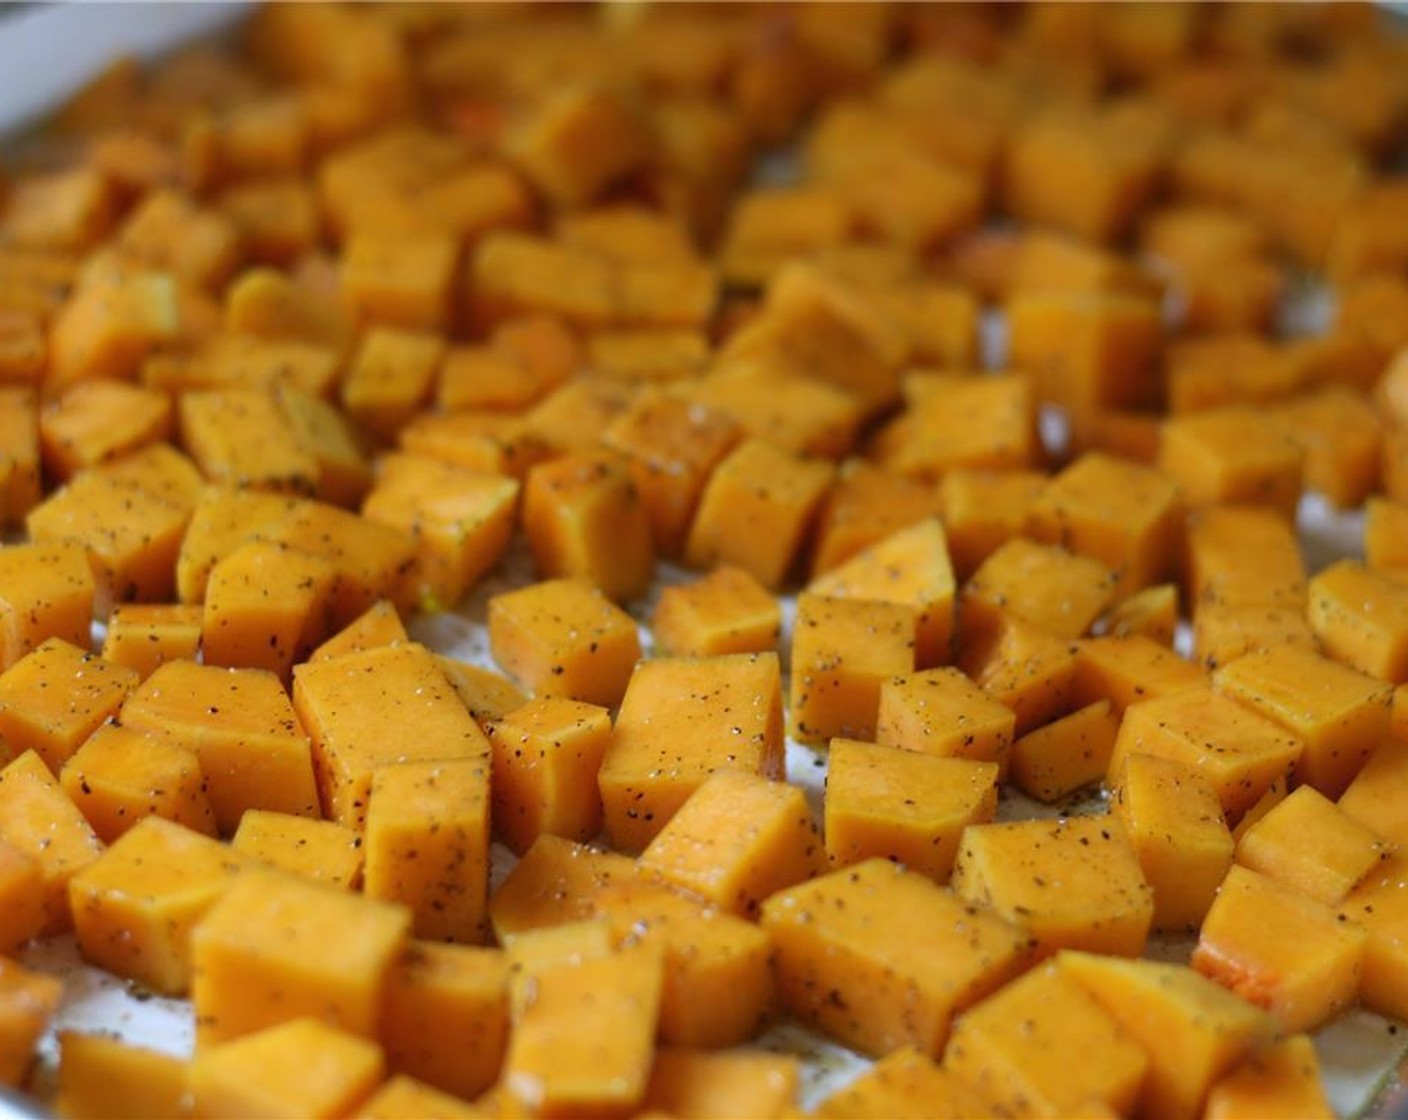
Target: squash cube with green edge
(104, 1076)
(21, 898)
(563, 637)
(843, 650)
(1042, 1045)
(135, 906)
(845, 965)
(1279, 1079)
(39, 821)
(941, 712)
(1124, 670)
(275, 947)
(1175, 824)
(1070, 883)
(584, 518)
(1379, 904)
(1311, 845)
(253, 751)
(1339, 714)
(1038, 583)
(323, 851)
(121, 775)
(1240, 752)
(547, 754)
(445, 1019)
(1192, 1030)
(1117, 512)
(299, 1067)
(426, 844)
(755, 511)
(1066, 754)
(680, 720)
(584, 1042)
(1361, 619)
(910, 568)
(46, 591)
(1281, 950)
(266, 607)
(904, 1085)
(739, 1083)
(738, 838)
(29, 1000)
(555, 882)
(460, 520)
(53, 698)
(719, 989)
(903, 805)
(724, 611)
(382, 707)
(144, 636)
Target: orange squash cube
(1378, 905)
(956, 422)
(93, 421)
(21, 898)
(144, 636)
(556, 882)
(1042, 584)
(390, 376)
(904, 1084)
(101, 1074)
(28, 1001)
(20, 484)
(726, 611)
(1280, 1079)
(1232, 455)
(741, 1083)
(320, 850)
(1361, 619)
(982, 510)
(1066, 754)
(400, 281)
(941, 712)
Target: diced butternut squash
(390, 376)
(956, 423)
(1065, 755)
(21, 898)
(1042, 584)
(1125, 670)
(93, 421)
(144, 636)
(1279, 1080)
(554, 883)
(941, 712)
(905, 1085)
(737, 1083)
(20, 484)
(681, 720)
(1025, 669)
(28, 1001)
(405, 282)
(98, 1074)
(1361, 619)
(726, 611)
(984, 509)
(864, 507)
(846, 966)
(1232, 455)
(319, 850)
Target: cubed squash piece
(955, 422)
(792, 412)
(584, 518)
(1242, 556)
(1151, 613)
(563, 637)
(1281, 1079)
(144, 636)
(865, 506)
(903, 805)
(460, 520)
(445, 1020)
(579, 142)
(1192, 1030)
(275, 947)
(730, 1083)
(379, 625)
(53, 699)
(46, 591)
(1361, 619)
(109, 326)
(1123, 514)
(1175, 824)
(427, 844)
(1311, 845)
(21, 898)
(941, 712)
(843, 652)
(1232, 455)
(1380, 905)
(343, 475)
(121, 775)
(911, 568)
(1125, 670)
(28, 1001)
(93, 421)
(736, 840)
(319, 850)
(1238, 751)
(1026, 669)
(20, 485)
(846, 966)
(240, 437)
(1340, 434)
(984, 509)
(302, 1067)
(756, 510)
(1066, 754)
(726, 611)
(488, 695)
(555, 883)
(1372, 798)
(102, 1075)
(1045, 585)
(904, 1085)
(1043, 1046)
(253, 753)
(382, 707)
(400, 281)
(546, 757)
(1281, 950)
(680, 720)
(134, 908)
(390, 377)
(1071, 883)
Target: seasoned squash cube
(98, 1074)
(379, 625)
(120, 775)
(579, 142)
(904, 1085)
(253, 753)
(1025, 669)
(546, 757)
(1042, 584)
(555, 883)
(1361, 619)
(390, 377)
(20, 484)
(792, 412)
(28, 1001)
(1232, 455)
(1280, 1079)
(1242, 556)
(275, 947)
(1175, 824)
(144, 636)
(1311, 845)
(956, 422)
(563, 637)
(400, 281)
(1028, 1049)
(1066, 754)
(108, 327)
(1124, 670)
(488, 695)
(843, 652)
(726, 611)
(984, 509)
(1380, 905)
(1340, 433)
(680, 720)
(135, 906)
(941, 712)
(1281, 950)
(302, 1067)
(740, 1083)
(846, 966)
(865, 506)
(319, 850)
(170, 233)
(94, 421)
(21, 898)
(903, 805)
(1373, 797)
(240, 437)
